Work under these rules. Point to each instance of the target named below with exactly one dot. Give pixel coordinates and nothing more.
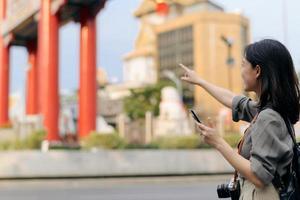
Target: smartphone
(195, 116)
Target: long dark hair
(279, 81)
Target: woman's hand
(241, 164)
(209, 134)
(190, 76)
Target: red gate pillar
(88, 84)
(4, 71)
(32, 80)
(48, 64)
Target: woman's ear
(258, 71)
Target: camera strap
(241, 142)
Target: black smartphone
(195, 116)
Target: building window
(176, 46)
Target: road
(149, 188)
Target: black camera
(232, 189)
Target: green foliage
(32, 141)
(190, 142)
(7, 125)
(113, 141)
(143, 100)
(177, 142)
(141, 146)
(9, 145)
(105, 141)
(232, 139)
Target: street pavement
(145, 188)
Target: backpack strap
(291, 131)
(278, 181)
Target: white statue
(173, 118)
(103, 127)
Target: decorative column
(4, 71)
(88, 84)
(32, 80)
(48, 69)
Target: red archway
(36, 28)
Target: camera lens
(223, 191)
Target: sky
(117, 30)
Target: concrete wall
(34, 164)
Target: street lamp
(230, 60)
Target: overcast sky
(117, 30)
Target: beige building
(190, 34)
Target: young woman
(268, 70)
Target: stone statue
(173, 118)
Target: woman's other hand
(209, 134)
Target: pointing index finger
(184, 67)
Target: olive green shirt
(267, 145)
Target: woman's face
(249, 76)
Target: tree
(146, 99)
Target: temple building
(197, 33)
